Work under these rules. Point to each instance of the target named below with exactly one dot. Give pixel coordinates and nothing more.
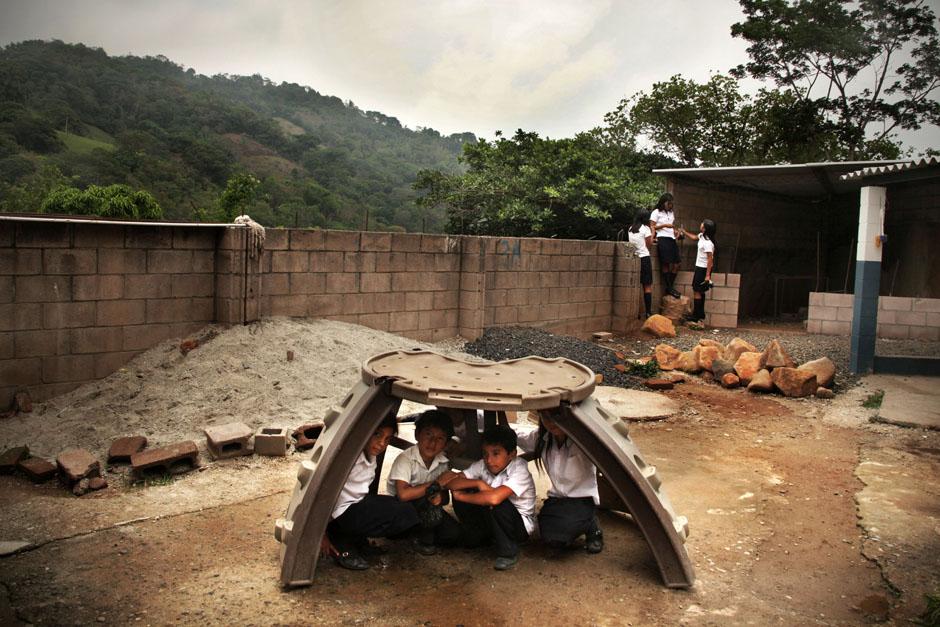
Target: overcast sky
(454, 65)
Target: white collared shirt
(573, 475)
(664, 217)
(516, 477)
(638, 240)
(705, 246)
(409, 467)
(357, 484)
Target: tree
(113, 201)
(714, 124)
(869, 66)
(237, 196)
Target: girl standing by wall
(641, 236)
(661, 222)
(704, 261)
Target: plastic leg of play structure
(321, 478)
(605, 440)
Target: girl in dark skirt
(661, 222)
(641, 236)
(704, 261)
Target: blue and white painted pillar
(871, 215)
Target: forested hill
(72, 114)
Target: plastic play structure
(559, 388)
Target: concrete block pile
(742, 364)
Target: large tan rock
(705, 355)
(824, 370)
(667, 356)
(730, 380)
(761, 382)
(793, 382)
(707, 341)
(747, 365)
(775, 357)
(736, 347)
(660, 326)
(674, 308)
(688, 362)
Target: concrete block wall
(898, 317)
(77, 301)
(721, 302)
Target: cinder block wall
(77, 301)
(898, 317)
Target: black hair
(661, 204)
(390, 422)
(437, 419)
(708, 230)
(641, 218)
(543, 442)
(501, 435)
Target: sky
(454, 65)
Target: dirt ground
(800, 512)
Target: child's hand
(326, 548)
(435, 500)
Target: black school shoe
(505, 563)
(594, 541)
(422, 548)
(352, 561)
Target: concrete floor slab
(909, 401)
(635, 405)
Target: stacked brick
(898, 317)
(77, 301)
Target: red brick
(306, 240)
(376, 242)
(42, 289)
(123, 448)
(63, 368)
(70, 261)
(98, 287)
(341, 283)
(169, 261)
(200, 285)
(122, 261)
(145, 336)
(172, 459)
(37, 469)
(120, 313)
(43, 235)
(195, 237)
(148, 286)
(149, 237)
(308, 283)
(68, 315)
(290, 261)
(41, 343)
(108, 363)
(229, 440)
(168, 310)
(341, 240)
(94, 340)
(98, 236)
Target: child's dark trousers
(375, 516)
(502, 525)
(562, 520)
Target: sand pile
(242, 374)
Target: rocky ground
(801, 512)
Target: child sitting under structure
(494, 498)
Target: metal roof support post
(871, 214)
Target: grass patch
(931, 615)
(83, 145)
(151, 481)
(645, 371)
(874, 400)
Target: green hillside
(71, 114)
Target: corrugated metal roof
(890, 169)
(801, 180)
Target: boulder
(747, 365)
(825, 393)
(11, 457)
(775, 357)
(793, 382)
(659, 326)
(730, 380)
(761, 382)
(736, 347)
(688, 362)
(721, 367)
(705, 355)
(667, 356)
(674, 308)
(707, 341)
(824, 370)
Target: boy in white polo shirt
(418, 476)
(358, 514)
(495, 498)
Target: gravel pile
(516, 342)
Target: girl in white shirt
(571, 507)
(641, 236)
(704, 260)
(664, 234)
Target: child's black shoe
(352, 561)
(594, 541)
(423, 549)
(505, 563)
